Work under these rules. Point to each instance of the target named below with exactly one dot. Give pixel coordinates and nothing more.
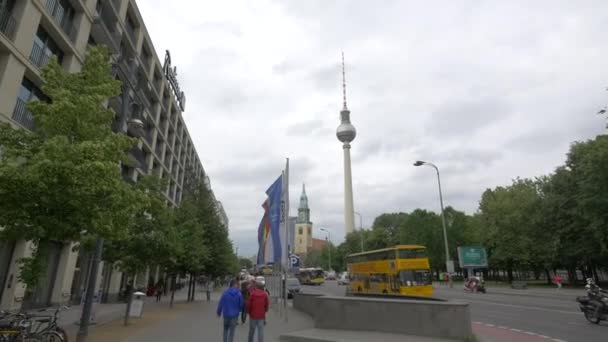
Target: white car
(343, 280)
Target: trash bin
(137, 304)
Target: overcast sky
(487, 90)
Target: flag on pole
(275, 193)
(263, 234)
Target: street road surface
(534, 316)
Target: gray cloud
(487, 91)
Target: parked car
(293, 286)
(330, 275)
(344, 280)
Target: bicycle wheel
(51, 336)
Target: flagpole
(287, 247)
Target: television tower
(346, 133)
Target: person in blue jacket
(230, 306)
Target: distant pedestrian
(230, 306)
(257, 307)
(558, 281)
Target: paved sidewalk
(195, 321)
(112, 312)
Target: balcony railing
(7, 24)
(23, 116)
(58, 14)
(40, 56)
(106, 17)
(149, 135)
(131, 34)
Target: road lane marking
(527, 307)
(489, 325)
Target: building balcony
(23, 116)
(40, 56)
(104, 28)
(58, 15)
(139, 157)
(8, 24)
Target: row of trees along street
(62, 182)
(531, 228)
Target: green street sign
(472, 257)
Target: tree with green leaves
(62, 181)
(511, 216)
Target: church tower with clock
(303, 228)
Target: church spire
(303, 198)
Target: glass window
(412, 253)
(47, 44)
(300, 231)
(414, 277)
(28, 91)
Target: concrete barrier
(423, 318)
(306, 303)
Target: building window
(63, 14)
(300, 231)
(309, 230)
(44, 47)
(130, 28)
(27, 92)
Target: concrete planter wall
(411, 317)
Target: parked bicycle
(32, 327)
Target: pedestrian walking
(558, 281)
(230, 306)
(257, 307)
(246, 285)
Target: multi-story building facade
(31, 32)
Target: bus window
(412, 253)
(414, 278)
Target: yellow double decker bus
(402, 270)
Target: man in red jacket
(257, 307)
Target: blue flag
(275, 196)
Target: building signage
(171, 75)
(472, 257)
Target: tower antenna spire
(343, 82)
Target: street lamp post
(448, 263)
(328, 238)
(360, 229)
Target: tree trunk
(510, 273)
(189, 288)
(595, 275)
(194, 287)
(172, 291)
(129, 301)
(572, 276)
(548, 274)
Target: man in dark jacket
(257, 307)
(230, 305)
